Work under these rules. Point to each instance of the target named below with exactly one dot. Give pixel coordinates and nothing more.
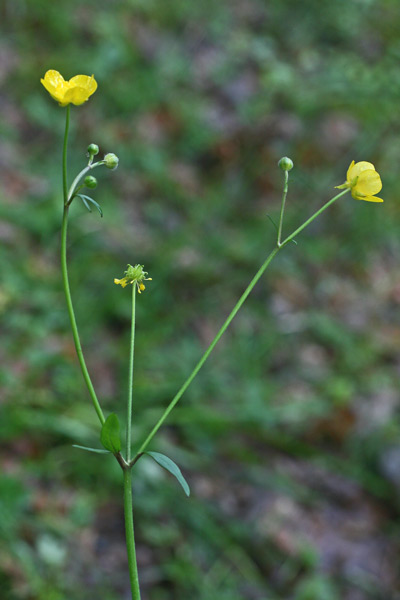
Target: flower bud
(111, 161)
(90, 181)
(93, 149)
(286, 164)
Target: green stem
(130, 389)
(64, 159)
(285, 191)
(130, 535)
(224, 327)
(71, 313)
(67, 290)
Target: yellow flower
(75, 91)
(134, 275)
(363, 181)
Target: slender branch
(285, 191)
(130, 389)
(207, 353)
(64, 270)
(224, 327)
(130, 535)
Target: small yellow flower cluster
(363, 181)
(134, 275)
(75, 91)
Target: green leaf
(85, 199)
(98, 450)
(109, 435)
(84, 202)
(170, 466)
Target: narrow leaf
(98, 450)
(173, 468)
(84, 201)
(273, 223)
(89, 199)
(109, 435)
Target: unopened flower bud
(111, 161)
(90, 181)
(286, 164)
(93, 149)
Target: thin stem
(130, 535)
(64, 270)
(311, 219)
(210, 348)
(64, 160)
(285, 191)
(130, 389)
(224, 327)
(71, 313)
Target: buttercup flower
(363, 181)
(75, 91)
(134, 275)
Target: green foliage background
(289, 437)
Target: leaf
(84, 202)
(170, 466)
(85, 199)
(109, 435)
(98, 450)
(273, 222)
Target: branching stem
(231, 316)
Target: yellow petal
(76, 95)
(356, 169)
(52, 80)
(372, 199)
(84, 81)
(55, 85)
(368, 183)
(58, 96)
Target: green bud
(90, 181)
(286, 164)
(111, 161)
(93, 149)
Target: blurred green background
(289, 437)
